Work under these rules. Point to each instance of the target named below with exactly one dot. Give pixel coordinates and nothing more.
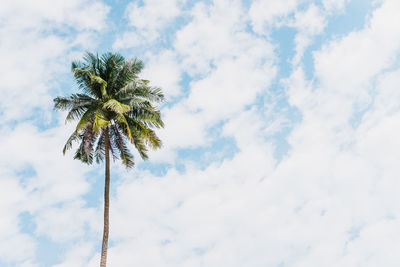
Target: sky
(280, 145)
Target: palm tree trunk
(103, 261)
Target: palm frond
(82, 155)
(91, 62)
(76, 113)
(99, 151)
(100, 121)
(141, 147)
(86, 119)
(136, 66)
(148, 116)
(119, 142)
(123, 76)
(147, 135)
(123, 123)
(116, 106)
(73, 138)
(139, 89)
(112, 64)
(66, 103)
(83, 76)
(101, 83)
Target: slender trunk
(103, 261)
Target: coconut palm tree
(115, 108)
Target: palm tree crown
(115, 107)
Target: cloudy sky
(281, 145)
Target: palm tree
(114, 109)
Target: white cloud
(354, 168)
(381, 36)
(78, 256)
(211, 37)
(50, 14)
(148, 20)
(163, 70)
(192, 134)
(331, 5)
(233, 84)
(64, 223)
(213, 47)
(309, 23)
(35, 53)
(265, 14)
(152, 14)
(14, 245)
(38, 178)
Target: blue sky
(280, 146)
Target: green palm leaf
(116, 106)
